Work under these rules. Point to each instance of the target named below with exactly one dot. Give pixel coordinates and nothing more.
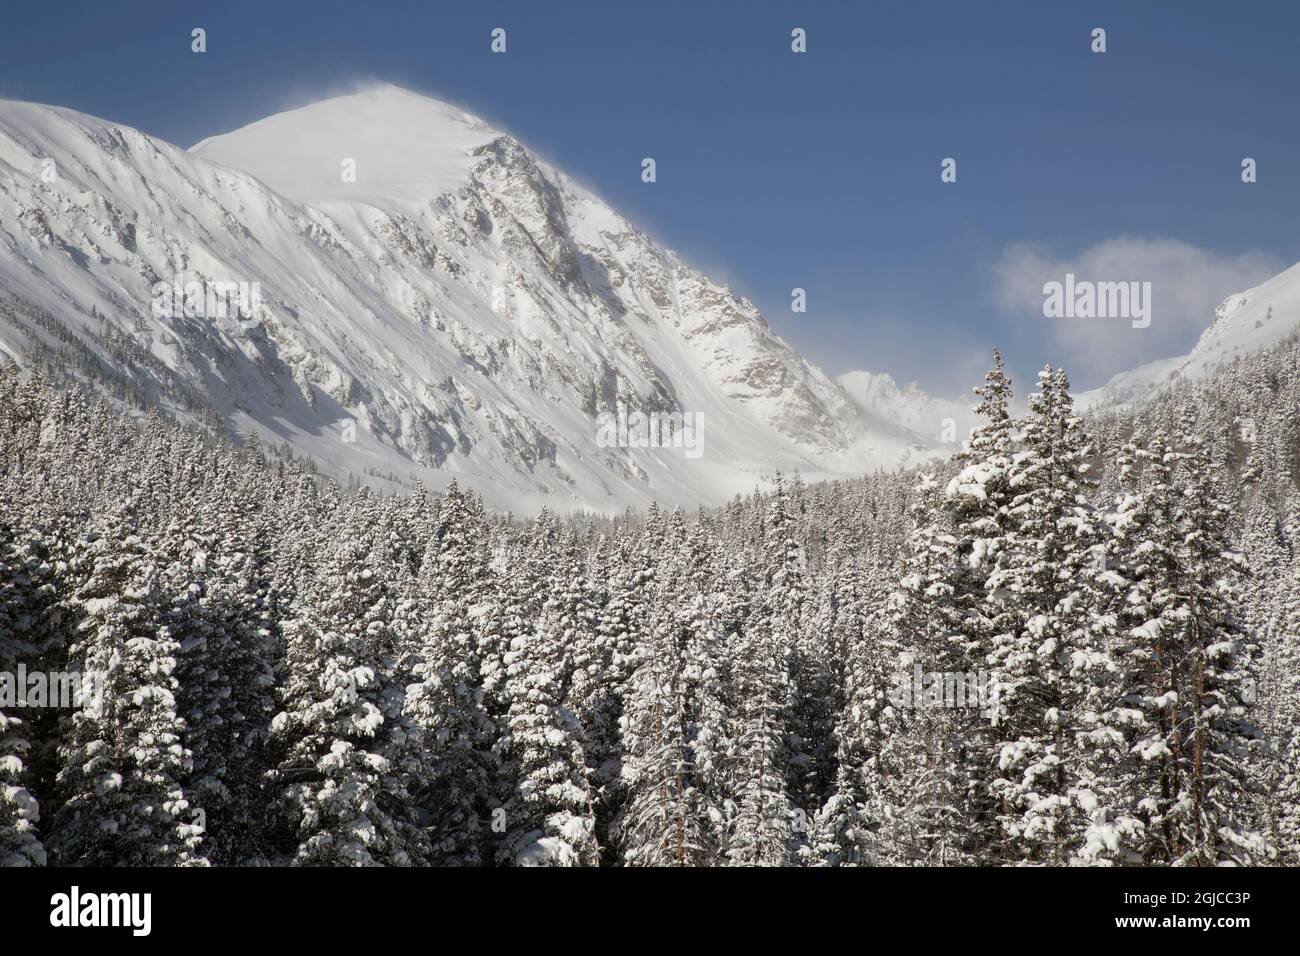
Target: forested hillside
(295, 673)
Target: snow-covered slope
(473, 310)
(879, 399)
(1243, 323)
(407, 148)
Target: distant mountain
(414, 296)
(410, 294)
(1243, 323)
(878, 398)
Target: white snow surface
(471, 308)
(407, 149)
(1243, 323)
(879, 399)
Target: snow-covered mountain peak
(1244, 322)
(1253, 319)
(384, 146)
(879, 399)
(458, 307)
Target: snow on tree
(20, 813)
(123, 759)
(303, 671)
(341, 742)
(445, 703)
(549, 811)
(1049, 600)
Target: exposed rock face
(469, 307)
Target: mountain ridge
(1243, 323)
(477, 331)
(457, 308)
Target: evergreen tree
(123, 759)
(1049, 605)
(20, 843)
(549, 811)
(343, 748)
(445, 703)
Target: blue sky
(817, 170)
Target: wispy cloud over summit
(1187, 283)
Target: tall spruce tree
(123, 759)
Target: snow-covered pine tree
(1172, 793)
(1214, 733)
(601, 661)
(674, 694)
(549, 811)
(603, 672)
(965, 626)
(861, 644)
(1286, 739)
(768, 825)
(810, 708)
(1050, 603)
(1131, 743)
(761, 828)
(341, 745)
(20, 843)
(214, 552)
(708, 679)
(123, 760)
(445, 703)
(663, 818)
(927, 762)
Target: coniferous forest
(295, 673)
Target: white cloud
(1187, 283)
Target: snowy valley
(1010, 635)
